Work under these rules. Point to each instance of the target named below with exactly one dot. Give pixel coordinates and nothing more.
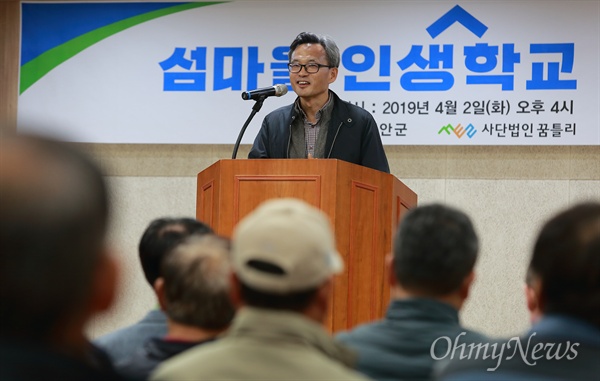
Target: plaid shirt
(311, 130)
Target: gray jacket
(400, 346)
(265, 345)
(121, 343)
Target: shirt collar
(328, 106)
(423, 309)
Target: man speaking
(319, 124)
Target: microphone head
(280, 89)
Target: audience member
(160, 237)
(565, 343)
(430, 274)
(283, 259)
(56, 271)
(194, 293)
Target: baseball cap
(285, 245)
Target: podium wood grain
(363, 205)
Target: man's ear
(333, 73)
(389, 268)
(325, 292)
(538, 291)
(235, 290)
(159, 290)
(465, 287)
(319, 309)
(531, 299)
(104, 283)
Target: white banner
(430, 72)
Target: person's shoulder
(476, 336)
(191, 361)
(25, 361)
(524, 358)
(362, 333)
(329, 368)
(354, 111)
(138, 365)
(154, 321)
(360, 329)
(281, 111)
(154, 317)
(116, 337)
(349, 375)
(122, 342)
(352, 107)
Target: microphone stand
(255, 109)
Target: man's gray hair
(331, 49)
(196, 282)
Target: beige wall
(508, 191)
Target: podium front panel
(363, 205)
(250, 191)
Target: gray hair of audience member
(54, 211)
(196, 277)
(566, 259)
(435, 249)
(331, 49)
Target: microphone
(277, 90)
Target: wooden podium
(364, 206)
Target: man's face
(312, 86)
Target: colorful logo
(459, 130)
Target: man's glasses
(310, 68)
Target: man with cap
(283, 258)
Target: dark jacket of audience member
(565, 276)
(434, 253)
